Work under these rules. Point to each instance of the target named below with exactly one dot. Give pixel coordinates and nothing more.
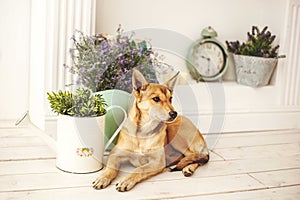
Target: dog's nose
(173, 114)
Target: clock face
(208, 58)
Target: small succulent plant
(259, 43)
(79, 104)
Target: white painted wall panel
(14, 57)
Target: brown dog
(153, 137)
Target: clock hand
(208, 66)
(208, 59)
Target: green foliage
(259, 43)
(79, 104)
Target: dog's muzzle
(173, 115)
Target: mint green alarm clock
(207, 59)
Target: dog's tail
(201, 159)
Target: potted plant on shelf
(256, 58)
(80, 130)
(105, 63)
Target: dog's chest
(144, 145)
(139, 159)
(148, 134)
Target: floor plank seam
(212, 150)
(44, 189)
(284, 186)
(220, 193)
(259, 181)
(206, 194)
(261, 145)
(240, 159)
(275, 170)
(27, 159)
(21, 146)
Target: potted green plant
(256, 58)
(104, 64)
(80, 130)
(78, 104)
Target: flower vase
(114, 118)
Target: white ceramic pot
(80, 142)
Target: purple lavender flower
(102, 63)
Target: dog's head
(154, 100)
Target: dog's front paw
(125, 185)
(101, 182)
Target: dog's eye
(156, 99)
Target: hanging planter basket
(254, 71)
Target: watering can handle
(108, 143)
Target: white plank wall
(53, 22)
(292, 47)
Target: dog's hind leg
(190, 163)
(172, 156)
(190, 169)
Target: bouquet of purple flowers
(103, 62)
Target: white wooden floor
(258, 165)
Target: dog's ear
(138, 80)
(171, 83)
